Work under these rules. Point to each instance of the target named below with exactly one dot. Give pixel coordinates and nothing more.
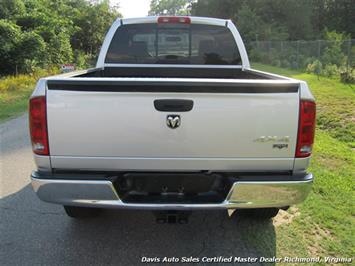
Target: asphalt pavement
(37, 233)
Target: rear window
(173, 44)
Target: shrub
(16, 83)
(83, 60)
(24, 82)
(347, 76)
(276, 63)
(29, 65)
(255, 55)
(285, 63)
(330, 70)
(315, 67)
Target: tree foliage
(11, 8)
(170, 7)
(39, 33)
(95, 21)
(9, 38)
(333, 53)
(276, 31)
(282, 19)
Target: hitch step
(172, 217)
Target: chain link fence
(299, 54)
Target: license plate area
(172, 187)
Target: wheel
(261, 214)
(81, 212)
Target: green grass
(15, 92)
(324, 225)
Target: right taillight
(306, 128)
(38, 125)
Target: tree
(44, 32)
(170, 7)
(301, 19)
(9, 38)
(10, 9)
(333, 54)
(59, 49)
(225, 9)
(338, 16)
(30, 52)
(248, 22)
(92, 24)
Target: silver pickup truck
(172, 118)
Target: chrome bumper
(243, 194)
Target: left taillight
(38, 125)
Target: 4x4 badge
(173, 121)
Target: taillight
(306, 129)
(38, 125)
(182, 20)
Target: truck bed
(173, 72)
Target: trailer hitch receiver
(172, 217)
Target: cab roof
(192, 19)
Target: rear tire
(260, 214)
(81, 212)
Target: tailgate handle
(173, 105)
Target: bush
(285, 63)
(16, 83)
(347, 76)
(330, 70)
(276, 63)
(25, 81)
(83, 60)
(255, 55)
(315, 67)
(29, 65)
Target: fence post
(297, 56)
(348, 61)
(319, 43)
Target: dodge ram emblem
(173, 121)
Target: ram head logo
(173, 121)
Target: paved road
(33, 232)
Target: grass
(324, 225)
(15, 92)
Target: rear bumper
(243, 194)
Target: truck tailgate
(100, 124)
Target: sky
(132, 8)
